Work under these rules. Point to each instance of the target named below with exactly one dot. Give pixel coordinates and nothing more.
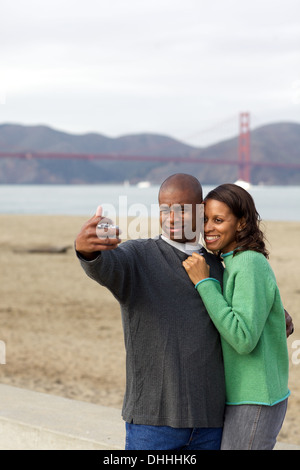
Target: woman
(249, 316)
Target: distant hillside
(271, 143)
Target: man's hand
(289, 324)
(92, 239)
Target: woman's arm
(242, 321)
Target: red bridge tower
(244, 148)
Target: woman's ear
(241, 224)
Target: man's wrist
(86, 256)
(89, 256)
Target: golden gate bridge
(243, 161)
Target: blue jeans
(143, 437)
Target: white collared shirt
(187, 248)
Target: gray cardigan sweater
(174, 365)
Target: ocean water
(272, 202)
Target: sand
(63, 332)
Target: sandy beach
(63, 332)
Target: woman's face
(220, 226)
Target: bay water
(277, 203)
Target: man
(175, 391)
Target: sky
(182, 68)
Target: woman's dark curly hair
(241, 204)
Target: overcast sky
(181, 68)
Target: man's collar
(186, 248)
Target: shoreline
(63, 332)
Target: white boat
(144, 184)
(243, 184)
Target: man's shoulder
(139, 243)
(211, 257)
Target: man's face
(180, 215)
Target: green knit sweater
(250, 318)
